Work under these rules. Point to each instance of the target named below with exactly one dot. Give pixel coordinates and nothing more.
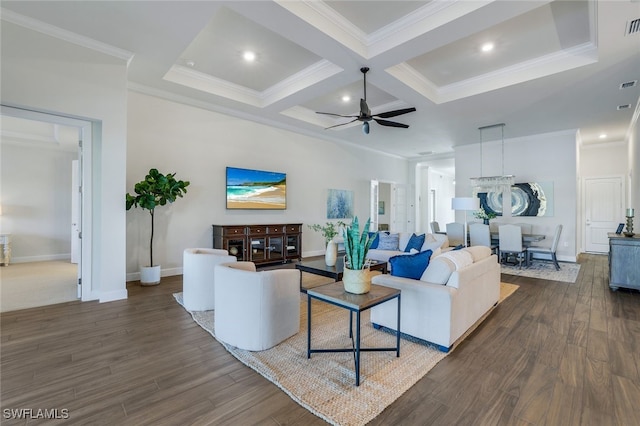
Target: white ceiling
(556, 65)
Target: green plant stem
(151, 239)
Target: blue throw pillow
(458, 247)
(415, 242)
(411, 265)
(376, 240)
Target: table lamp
(465, 204)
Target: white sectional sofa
(455, 291)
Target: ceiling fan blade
(342, 124)
(337, 115)
(390, 114)
(391, 123)
(364, 108)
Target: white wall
(46, 74)
(633, 156)
(384, 195)
(198, 145)
(541, 158)
(36, 192)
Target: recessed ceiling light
(603, 136)
(346, 98)
(249, 56)
(487, 47)
(190, 63)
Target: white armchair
(197, 276)
(255, 310)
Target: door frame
(85, 131)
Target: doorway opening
(45, 212)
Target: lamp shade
(465, 203)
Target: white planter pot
(357, 281)
(331, 255)
(150, 275)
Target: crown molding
(68, 36)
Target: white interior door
(399, 208)
(75, 212)
(373, 214)
(603, 211)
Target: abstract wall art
(527, 199)
(339, 204)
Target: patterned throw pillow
(388, 241)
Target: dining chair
(527, 228)
(510, 237)
(435, 227)
(455, 233)
(479, 235)
(547, 250)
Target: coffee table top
(319, 267)
(334, 293)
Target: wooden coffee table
(335, 294)
(319, 267)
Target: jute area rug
(545, 270)
(325, 384)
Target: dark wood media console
(260, 244)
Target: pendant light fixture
(492, 183)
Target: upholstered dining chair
(549, 251)
(455, 233)
(255, 310)
(197, 276)
(435, 227)
(510, 241)
(527, 228)
(479, 235)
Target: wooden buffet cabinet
(260, 243)
(624, 261)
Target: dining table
(526, 238)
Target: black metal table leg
(358, 348)
(308, 326)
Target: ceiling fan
(365, 113)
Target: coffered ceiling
(555, 65)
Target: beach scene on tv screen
(255, 189)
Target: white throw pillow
(459, 258)
(478, 252)
(438, 271)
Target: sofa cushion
(460, 258)
(431, 243)
(376, 240)
(415, 242)
(438, 271)
(479, 252)
(410, 265)
(388, 241)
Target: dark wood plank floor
(552, 354)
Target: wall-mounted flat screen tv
(256, 189)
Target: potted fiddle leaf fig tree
(357, 277)
(155, 190)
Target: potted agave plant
(357, 276)
(155, 190)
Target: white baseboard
(42, 258)
(113, 295)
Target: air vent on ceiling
(621, 107)
(633, 27)
(628, 84)
(425, 153)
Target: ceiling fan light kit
(365, 112)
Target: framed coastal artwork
(256, 189)
(339, 204)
